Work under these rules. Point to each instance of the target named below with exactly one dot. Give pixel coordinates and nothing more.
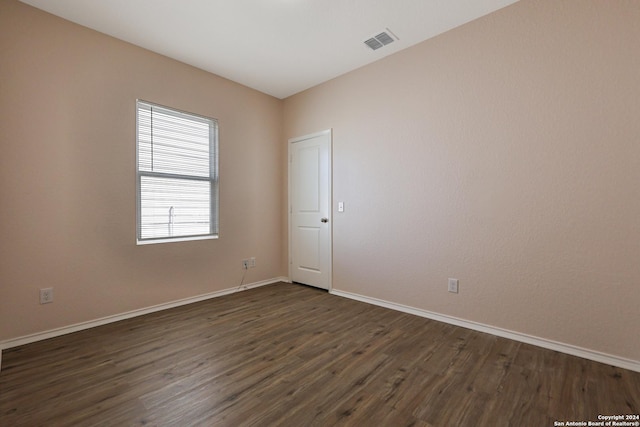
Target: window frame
(213, 178)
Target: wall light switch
(453, 285)
(340, 206)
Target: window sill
(176, 239)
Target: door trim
(292, 141)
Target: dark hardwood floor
(289, 355)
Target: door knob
(324, 220)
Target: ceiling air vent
(380, 40)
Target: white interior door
(310, 209)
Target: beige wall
(67, 176)
(504, 153)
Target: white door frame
(330, 201)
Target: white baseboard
(609, 359)
(597, 356)
(39, 336)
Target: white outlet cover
(453, 285)
(46, 295)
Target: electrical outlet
(245, 264)
(46, 295)
(252, 262)
(453, 285)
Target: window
(177, 178)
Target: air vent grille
(384, 38)
(373, 43)
(380, 40)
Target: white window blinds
(177, 175)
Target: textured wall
(67, 176)
(504, 153)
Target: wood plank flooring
(289, 355)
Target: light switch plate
(453, 285)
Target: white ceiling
(279, 47)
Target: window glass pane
(171, 142)
(172, 207)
